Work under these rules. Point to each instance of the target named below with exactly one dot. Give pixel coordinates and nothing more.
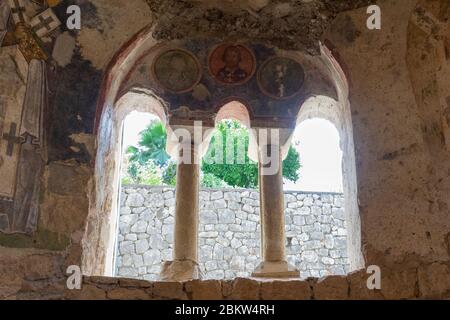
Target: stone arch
(119, 68)
(337, 111)
(99, 240)
(116, 100)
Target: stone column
(185, 252)
(273, 236)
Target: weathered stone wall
(229, 232)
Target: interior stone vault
(64, 93)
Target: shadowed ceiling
(291, 24)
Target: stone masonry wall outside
(229, 232)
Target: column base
(275, 269)
(180, 270)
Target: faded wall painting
(230, 75)
(22, 149)
(232, 64)
(281, 78)
(12, 93)
(177, 70)
(23, 99)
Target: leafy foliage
(169, 174)
(148, 174)
(152, 146)
(147, 163)
(211, 181)
(225, 164)
(233, 140)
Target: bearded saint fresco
(232, 72)
(232, 64)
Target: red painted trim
(339, 62)
(125, 85)
(108, 77)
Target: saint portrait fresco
(232, 64)
(177, 70)
(281, 78)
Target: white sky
(316, 140)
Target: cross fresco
(44, 23)
(23, 99)
(11, 139)
(18, 10)
(10, 119)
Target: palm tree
(151, 146)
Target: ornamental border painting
(232, 64)
(281, 78)
(176, 70)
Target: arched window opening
(228, 231)
(226, 163)
(318, 143)
(228, 238)
(230, 223)
(101, 243)
(316, 230)
(322, 219)
(231, 231)
(148, 178)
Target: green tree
(147, 163)
(233, 139)
(291, 165)
(230, 142)
(209, 180)
(152, 146)
(169, 174)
